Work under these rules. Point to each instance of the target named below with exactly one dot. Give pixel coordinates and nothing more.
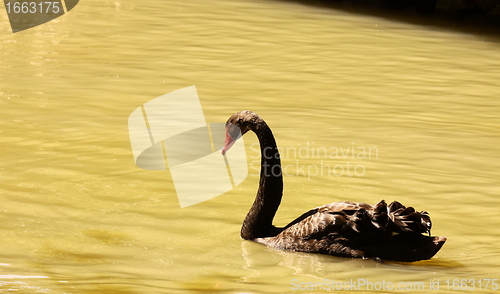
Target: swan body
(347, 229)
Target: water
(78, 216)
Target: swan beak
(227, 144)
(233, 133)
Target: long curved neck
(259, 220)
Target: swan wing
(360, 230)
(323, 220)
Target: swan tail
(406, 220)
(393, 232)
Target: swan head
(238, 125)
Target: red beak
(232, 134)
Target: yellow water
(78, 216)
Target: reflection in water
(318, 265)
(302, 264)
(328, 272)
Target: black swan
(346, 229)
